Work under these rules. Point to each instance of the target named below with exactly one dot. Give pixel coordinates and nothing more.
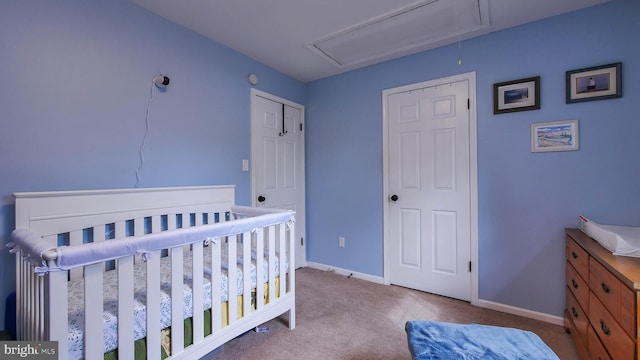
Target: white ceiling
(279, 33)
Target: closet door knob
(261, 198)
(394, 197)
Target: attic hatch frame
(419, 26)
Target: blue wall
(75, 81)
(525, 199)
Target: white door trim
(473, 170)
(301, 206)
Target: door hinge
(300, 126)
(468, 104)
(302, 241)
(469, 266)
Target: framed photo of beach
(555, 136)
(594, 83)
(516, 95)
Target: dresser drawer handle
(605, 288)
(574, 312)
(605, 328)
(574, 283)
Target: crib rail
(211, 220)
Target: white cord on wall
(144, 138)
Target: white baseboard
(556, 320)
(345, 272)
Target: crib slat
(125, 307)
(216, 284)
(138, 229)
(282, 242)
(27, 330)
(216, 274)
(138, 226)
(75, 238)
(171, 221)
(58, 320)
(186, 222)
(42, 316)
(20, 297)
(31, 309)
(198, 284)
(99, 235)
(272, 263)
(292, 275)
(93, 305)
(119, 231)
(246, 270)
(156, 223)
(260, 238)
(198, 290)
(153, 305)
(29, 303)
(34, 306)
(177, 300)
(177, 291)
(232, 275)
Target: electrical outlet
(341, 241)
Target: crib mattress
(620, 240)
(110, 320)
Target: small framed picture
(516, 95)
(594, 83)
(555, 136)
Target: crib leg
(292, 318)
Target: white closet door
(278, 159)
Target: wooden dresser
(603, 295)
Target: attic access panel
(415, 27)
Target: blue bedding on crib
(439, 340)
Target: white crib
(160, 255)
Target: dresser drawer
(578, 257)
(578, 286)
(595, 348)
(619, 344)
(605, 286)
(578, 316)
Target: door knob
(394, 197)
(261, 198)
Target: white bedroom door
(277, 153)
(429, 189)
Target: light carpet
(345, 318)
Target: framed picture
(555, 136)
(516, 95)
(594, 83)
